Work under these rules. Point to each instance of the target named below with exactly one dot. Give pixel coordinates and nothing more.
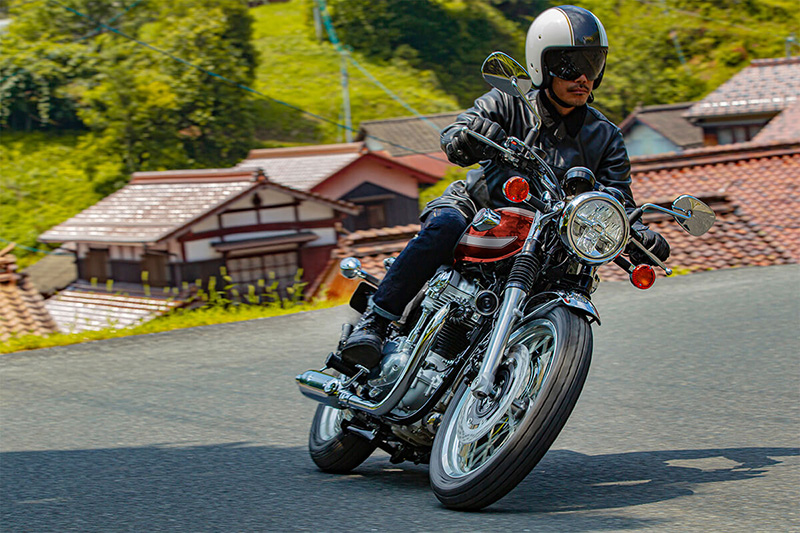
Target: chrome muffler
(329, 390)
(319, 387)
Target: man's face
(575, 92)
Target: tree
(158, 110)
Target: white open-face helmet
(565, 42)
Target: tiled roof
(668, 120)
(22, 309)
(304, 167)
(407, 135)
(733, 241)
(145, 212)
(79, 309)
(783, 128)
(764, 86)
(157, 204)
(762, 181)
(372, 246)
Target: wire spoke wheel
(486, 446)
(483, 426)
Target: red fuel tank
(500, 242)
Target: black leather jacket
(584, 138)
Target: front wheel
(484, 448)
(332, 448)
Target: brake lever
(651, 255)
(490, 142)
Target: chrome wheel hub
(481, 427)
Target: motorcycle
(480, 375)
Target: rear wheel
(332, 448)
(484, 448)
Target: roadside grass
(177, 319)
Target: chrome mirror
(504, 73)
(350, 267)
(700, 216)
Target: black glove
(653, 241)
(466, 150)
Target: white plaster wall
(207, 224)
(644, 140)
(314, 211)
(326, 236)
(270, 197)
(201, 250)
(281, 214)
(247, 218)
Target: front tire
(484, 448)
(333, 449)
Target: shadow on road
(243, 487)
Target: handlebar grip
(635, 215)
(538, 204)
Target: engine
(446, 287)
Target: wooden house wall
(398, 209)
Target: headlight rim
(568, 216)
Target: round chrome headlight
(594, 227)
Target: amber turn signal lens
(643, 276)
(516, 189)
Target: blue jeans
(418, 261)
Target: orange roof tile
(22, 309)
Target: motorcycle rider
(566, 50)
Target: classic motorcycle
(480, 375)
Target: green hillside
(296, 68)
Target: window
(376, 215)
(246, 270)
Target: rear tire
(332, 449)
(484, 449)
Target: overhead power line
(337, 44)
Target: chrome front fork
(510, 311)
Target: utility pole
(791, 40)
(348, 132)
(673, 34)
(318, 22)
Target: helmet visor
(571, 64)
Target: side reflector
(516, 189)
(643, 276)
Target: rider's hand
(653, 241)
(467, 150)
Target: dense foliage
(45, 179)
(64, 70)
(450, 38)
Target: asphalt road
(689, 421)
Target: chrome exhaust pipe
(326, 389)
(319, 387)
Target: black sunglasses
(572, 64)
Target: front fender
(573, 300)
